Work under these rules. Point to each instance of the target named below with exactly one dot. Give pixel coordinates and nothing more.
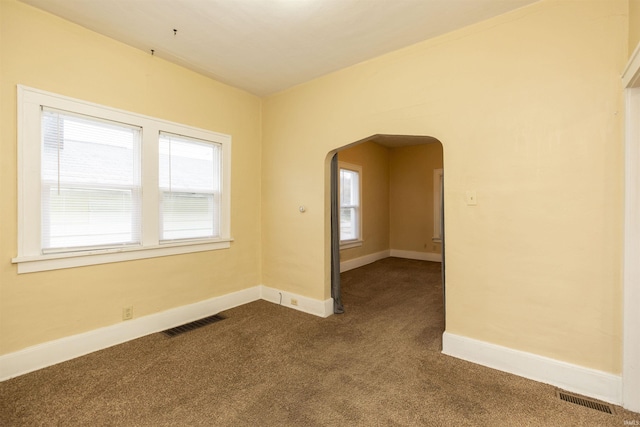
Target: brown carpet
(378, 364)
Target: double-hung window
(350, 204)
(90, 181)
(99, 185)
(189, 187)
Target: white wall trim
(376, 256)
(53, 352)
(305, 304)
(631, 261)
(631, 74)
(67, 348)
(350, 244)
(422, 256)
(588, 382)
(105, 256)
(363, 260)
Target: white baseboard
(368, 259)
(363, 260)
(422, 256)
(588, 382)
(50, 353)
(60, 350)
(305, 304)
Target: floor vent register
(572, 398)
(178, 330)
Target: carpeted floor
(379, 364)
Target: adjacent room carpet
(379, 364)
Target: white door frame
(631, 269)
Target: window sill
(351, 244)
(32, 264)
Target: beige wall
(44, 52)
(527, 106)
(634, 25)
(411, 197)
(374, 160)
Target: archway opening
(390, 197)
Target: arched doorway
(397, 210)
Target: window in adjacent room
(99, 185)
(350, 205)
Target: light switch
(472, 199)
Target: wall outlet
(294, 301)
(127, 313)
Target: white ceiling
(265, 46)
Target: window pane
(190, 185)
(348, 224)
(189, 215)
(349, 187)
(90, 217)
(90, 182)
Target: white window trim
(631, 270)
(30, 257)
(437, 202)
(353, 243)
(348, 244)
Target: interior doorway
(392, 205)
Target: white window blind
(90, 182)
(189, 180)
(349, 204)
